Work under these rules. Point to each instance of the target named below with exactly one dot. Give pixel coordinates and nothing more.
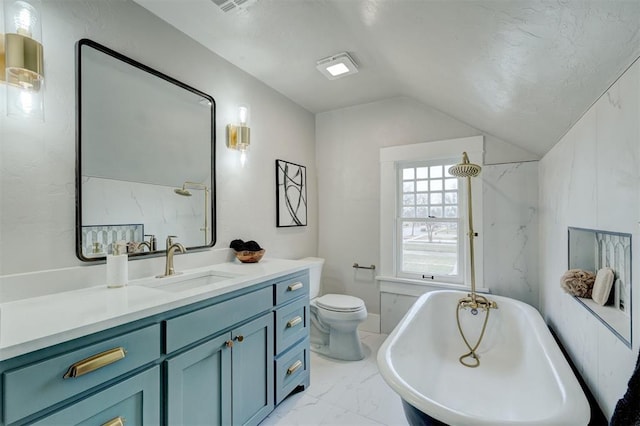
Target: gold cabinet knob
(239, 338)
(229, 343)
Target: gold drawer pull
(295, 286)
(118, 421)
(296, 365)
(95, 362)
(294, 321)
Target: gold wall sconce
(239, 135)
(21, 58)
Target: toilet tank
(315, 273)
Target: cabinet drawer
(291, 287)
(292, 323)
(134, 402)
(29, 389)
(292, 370)
(193, 326)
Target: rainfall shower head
(183, 192)
(465, 169)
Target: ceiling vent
(228, 5)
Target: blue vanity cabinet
(252, 371)
(226, 360)
(199, 384)
(134, 402)
(292, 360)
(226, 374)
(71, 371)
(225, 380)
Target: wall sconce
(239, 135)
(21, 58)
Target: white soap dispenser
(117, 266)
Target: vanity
(223, 344)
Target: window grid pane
(427, 186)
(429, 246)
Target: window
(429, 226)
(423, 216)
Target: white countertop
(34, 323)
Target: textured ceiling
(521, 70)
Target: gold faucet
(146, 244)
(171, 248)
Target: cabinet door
(135, 400)
(253, 371)
(199, 385)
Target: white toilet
(334, 319)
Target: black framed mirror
(145, 157)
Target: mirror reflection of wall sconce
(239, 135)
(21, 58)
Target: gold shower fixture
(466, 169)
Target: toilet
(334, 319)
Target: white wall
(591, 179)
(510, 200)
(347, 149)
(37, 160)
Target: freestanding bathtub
(522, 379)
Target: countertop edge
(16, 348)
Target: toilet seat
(340, 303)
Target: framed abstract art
(291, 194)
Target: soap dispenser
(117, 266)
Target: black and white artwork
(291, 194)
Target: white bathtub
(523, 378)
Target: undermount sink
(183, 282)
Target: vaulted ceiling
(520, 70)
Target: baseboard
(371, 324)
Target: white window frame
(429, 151)
(460, 221)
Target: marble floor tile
(343, 393)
